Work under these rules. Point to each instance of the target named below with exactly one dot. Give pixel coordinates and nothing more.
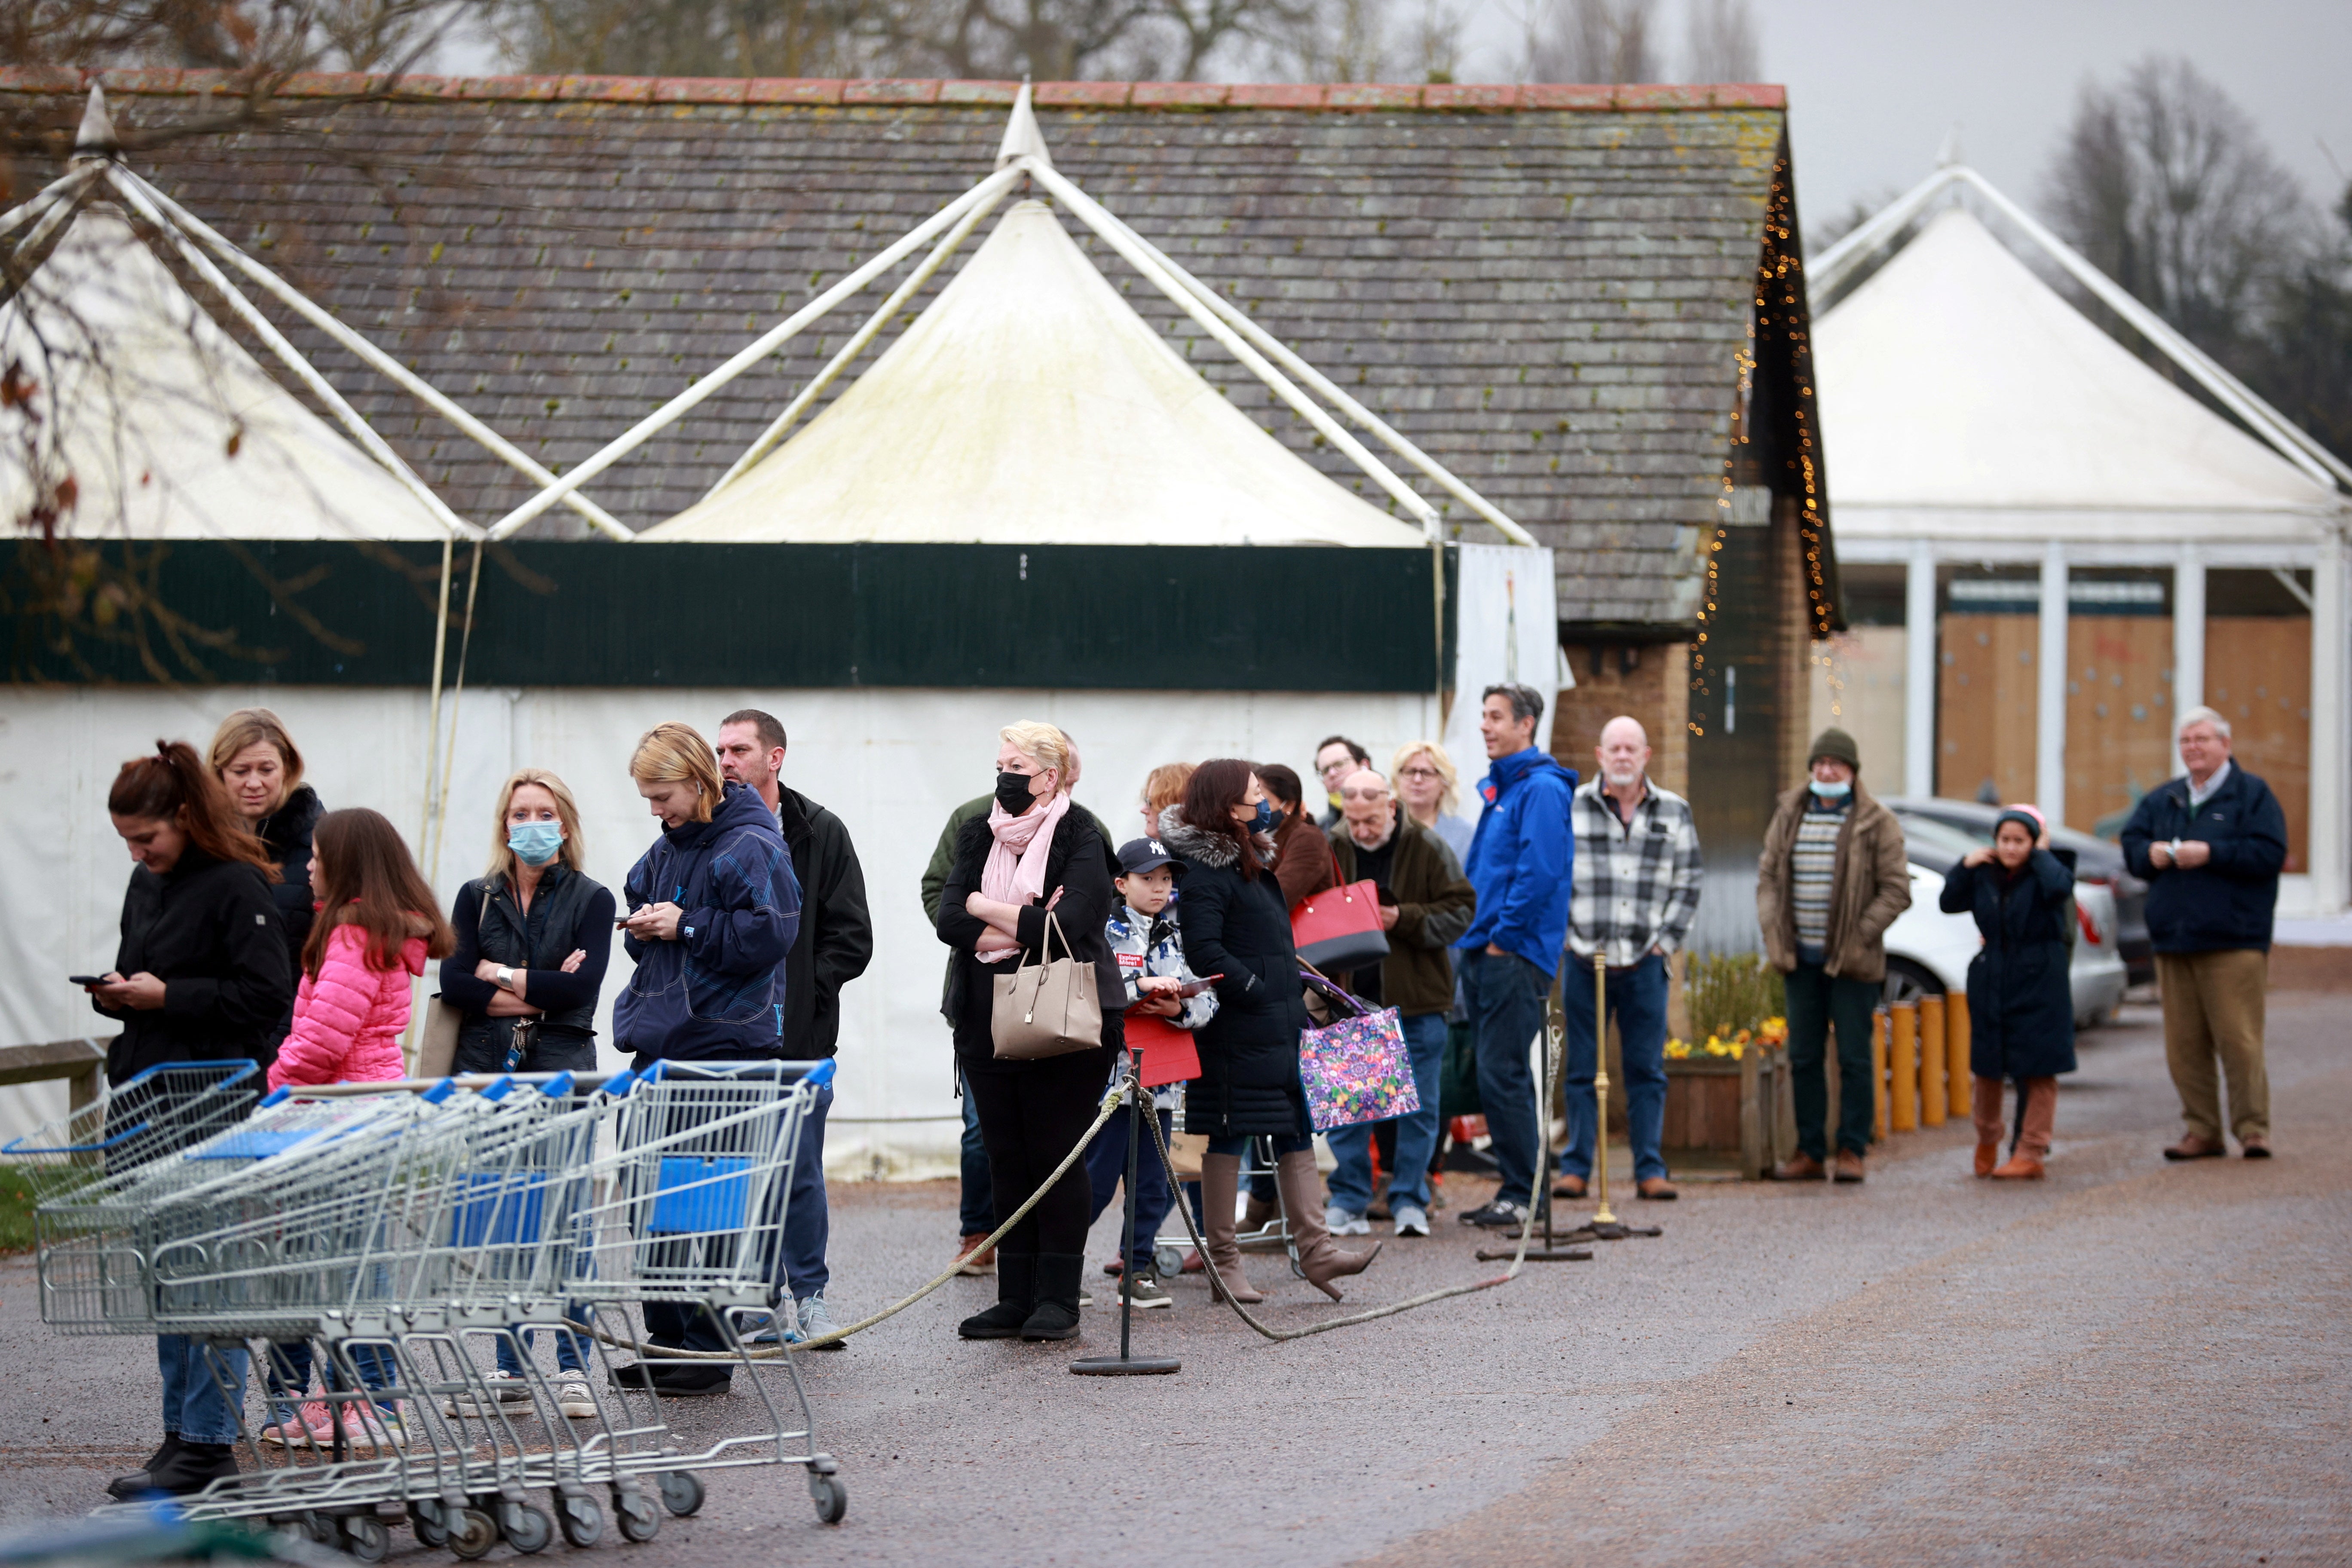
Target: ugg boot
(1056, 1315)
(1220, 1185)
(1320, 1260)
(1017, 1298)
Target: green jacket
(1434, 905)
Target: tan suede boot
(1221, 1183)
(1320, 1258)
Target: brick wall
(1655, 690)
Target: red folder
(1169, 1056)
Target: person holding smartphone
(201, 975)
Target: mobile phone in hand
(86, 979)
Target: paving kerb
(1926, 1367)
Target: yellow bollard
(1878, 1074)
(1956, 1052)
(1934, 1104)
(1903, 1089)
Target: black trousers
(1029, 1120)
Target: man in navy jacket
(2211, 846)
(1519, 864)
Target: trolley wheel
(425, 1520)
(321, 1527)
(831, 1497)
(638, 1519)
(1169, 1261)
(472, 1533)
(527, 1530)
(681, 1492)
(582, 1521)
(365, 1538)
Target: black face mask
(1012, 793)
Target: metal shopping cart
(403, 1234)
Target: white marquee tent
(1982, 419)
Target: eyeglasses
(1419, 773)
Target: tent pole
(1093, 215)
(433, 712)
(751, 354)
(1282, 354)
(1827, 270)
(41, 200)
(247, 312)
(449, 750)
(415, 385)
(856, 345)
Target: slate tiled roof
(1549, 289)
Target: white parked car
(1928, 951)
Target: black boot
(1016, 1295)
(195, 1467)
(1057, 1313)
(122, 1488)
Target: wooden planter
(1720, 1112)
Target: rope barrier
(1113, 1097)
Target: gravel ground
(2131, 1361)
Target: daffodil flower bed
(1730, 1044)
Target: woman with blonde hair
(1430, 787)
(1034, 854)
(534, 937)
(713, 909)
(259, 767)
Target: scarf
(1014, 872)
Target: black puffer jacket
(206, 929)
(1079, 863)
(2021, 996)
(1238, 926)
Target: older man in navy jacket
(2211, 846)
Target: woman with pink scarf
(1030, 854)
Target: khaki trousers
(2213, 1006)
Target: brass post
(1600, 1214)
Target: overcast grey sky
(1873, 85)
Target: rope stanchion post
(1604, 1225)
(1126, 1363)
(1552, 1250)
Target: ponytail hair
(174, 786)
(371, 882)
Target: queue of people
(259, 923)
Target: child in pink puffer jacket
(376, 928)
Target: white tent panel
(169, 428)
(1965, 397)
(892, 764)
(1030, 404)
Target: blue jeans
(978, 1210)
(1505, 995)
(1637, 998)
(1416, 1135)
(193, 1404)
(568, 1358)
(1107, 1167)
(808, 1224)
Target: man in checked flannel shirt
(1634, 893)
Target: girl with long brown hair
(201, 975)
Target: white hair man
(2212, 844)
(1635, 890)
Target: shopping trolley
(401, 1233)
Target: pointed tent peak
(96, 137)
(1031, 404)
(1022, 137)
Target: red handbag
(1339, 929)
(1168, 1053)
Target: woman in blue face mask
(534, 936)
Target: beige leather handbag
(1049, 1008)
(436, 1050)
